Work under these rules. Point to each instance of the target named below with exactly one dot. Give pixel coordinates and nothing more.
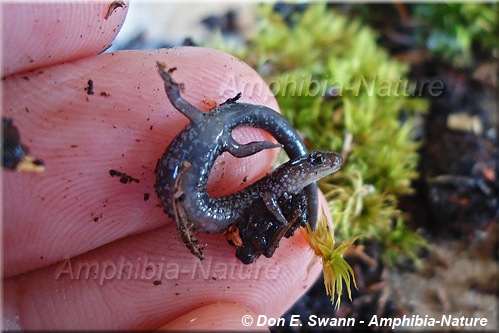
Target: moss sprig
(336, 270)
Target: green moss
(454, 29)
(371, 118)
(402, 240)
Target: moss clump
(457, 31)
(344, 93)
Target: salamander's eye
(316, 158)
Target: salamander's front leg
(273, 206)
(276, 238)
(243, 150)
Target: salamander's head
(300, 172)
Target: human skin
(76, 213)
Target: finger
(149, 280)
(216, 317)
(75, 205)
(41, 34)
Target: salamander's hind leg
(172, 90)
(243, 150)
(186, 229)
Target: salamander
(182, 171)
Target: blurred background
(420, 184)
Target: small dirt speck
(90, 87)
(124, 178)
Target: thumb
(74, 205)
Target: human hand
(73, 220)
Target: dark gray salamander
(183, 170)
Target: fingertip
(216, 317)
(41, 34)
